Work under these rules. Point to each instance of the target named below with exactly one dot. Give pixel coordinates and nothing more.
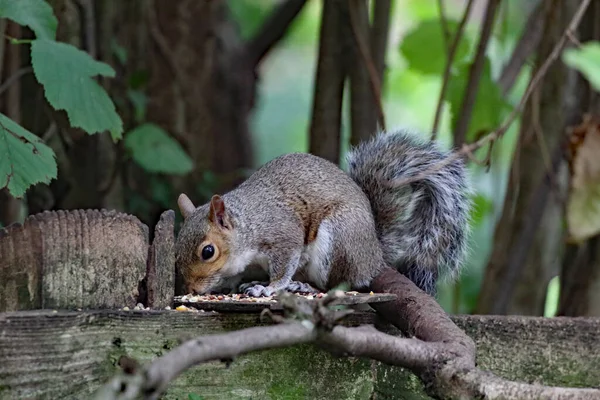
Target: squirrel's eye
(207, 252)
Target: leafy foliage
(425, 48)
(155, 151)
(482, 206)
(487, 113)
(66, 74)
(24, 159)
(585, 59)
(36, 14)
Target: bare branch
(466, 110)
(272, 30)
(444, 23)
(498, 133)
(448, 69)
(14, 77)
(360, 30)
(379, 35)
(329, 87)
(444, 357)
(529, 40)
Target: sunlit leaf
(424, 47)
(585, 59)
(67, 76)
(155, 151)
(583, 206)
(552, 297)
(36, 14)
(24, 159)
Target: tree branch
(444, 360)
(498, 133)
(448, 68)
(379, 36)
(529, 40)
(359, 22)
(272, 30)
(325, 128)
(464, 118)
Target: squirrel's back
(422, 225)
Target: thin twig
(272, 30)
(492, 136)
(529, 40)
(448, 69)
(13, 78)
(444, 23)
(470, 94)
(368, 61)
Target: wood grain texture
(69, 354)
(160, 276)
(72, 259)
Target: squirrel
(300, 223)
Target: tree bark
(325, 134)
(580, 273)
(199, 83)
(528, 240)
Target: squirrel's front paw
(245, 286)
(259, 290)
(300, 287)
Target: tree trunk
(580, 274)
(188, 62)
(528, 241)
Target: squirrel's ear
(217, 213)
(185, 205)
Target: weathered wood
(248, 305)
(69, 354)
(72, 259)
(160, 277)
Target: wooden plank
(72, 259)
(69, 354)
(160, 276)
(248, 305)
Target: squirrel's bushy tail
(422, 225)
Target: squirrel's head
(203, 244)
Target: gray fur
(362, 225)
(422, 226)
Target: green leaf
(482, 206)
(424, 47)
(24, 159)
(586, 60)
(36, 14)
(66, 74)
(139, 100)
(489, 103)
(155, 151)
(193, 396)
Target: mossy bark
(46, 354)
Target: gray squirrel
(301, 224)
